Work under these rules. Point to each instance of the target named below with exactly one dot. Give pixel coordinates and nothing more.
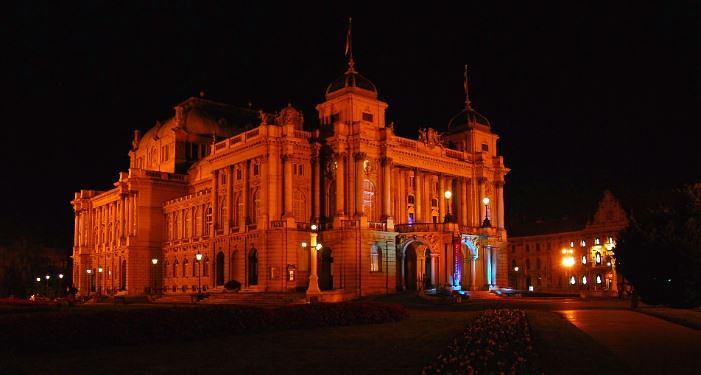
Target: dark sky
(584, 95)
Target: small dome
(290, 115)
(467, 118)
(352, 79)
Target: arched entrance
(325, 275)
(253, 267)
(220, 268)
(410, 268)
(123, 276)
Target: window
(299, 206)
(167, 268)
(528, 247)
(175, 268)
(485, 147)
(410, 199)
(300, 170)
(573, 280)
(537, 263)
(369, 199)
(222, 177)
(583, 243)
(294, 168)
(549, 246)
(513, 248)
(584, 280)
(434, 202)
(610, 239)
(528, 264)
(194, 267)
(584, 259)
(205, 267)
(375, 259)
(411, 218)
(598, 258)
(412, 182)
(367, 117)
(598, 279)
(537, 247)
(185, 263)
(208, 219)
(596, 241)
(571, 243)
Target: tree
(660, 251)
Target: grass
(564, 349)
(687, 317)
(392, 348)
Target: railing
(454, 154)
(302, 134)
(420, 227)
(278, 224)
(377, 225)
(347, 224)
(407, 143)
(252, 133)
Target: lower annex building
(242, 188)
(568, 256)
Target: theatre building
(567, 255)
(242, 188)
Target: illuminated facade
(243, 187)
(571, 260)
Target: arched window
(175, 268)
(198, 221)
(375, 259)
(299, 207)
(239, 209)
(369, 199)
(188, 224)
(167, 268)
(221, 215)
(573, 280)
(584, 259)
(410, 199)
(207, 219)
(584, 280)
(598, 279)
(185, 263)
(178, 226)
(205, 267)
(598, 258)
(255, 207)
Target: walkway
(646, 344)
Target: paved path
(646, 344)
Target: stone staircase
(255, 298)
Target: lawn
(391, 348)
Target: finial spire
(467, 92)
(349, 46)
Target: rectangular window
(301, 170)
(294, 169)
(367, 117)
(537, 247)
(528, 247)
(485, 147)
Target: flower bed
(497, 341)
(81, 329)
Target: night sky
(584, 96)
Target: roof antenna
(467, 92)
(349, 46)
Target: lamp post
(38, 284)
(59, 282)
(47, 284)
(89, 271)
(99, 284)
(447, 195)
(198, 257)
(486, 223)
(154, 262)
(313, 288)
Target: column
(287, 159)
(418, 196)
(359, 158)
(75, 229)
(215, 201)
(488, 266)
(316, 170)
(401, 198)
(463, 202)
(482, 207)
(122, 218)
(473, 272)
(264, 193)
(386, 186)
(441, 198)
(274, 202)
(493, 264)
(243, 220)
(229, 199)
(340, 186)
(500, 204)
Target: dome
(351, 78)
(205, 118)
(467, 118)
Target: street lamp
(568, 262)
(198, 257)
(47, 284)
(447, 195)
(516, 269)
(89, 271)
(99, 276)
(486, 223)
(154, 262)
(313, 288)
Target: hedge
(83, 329)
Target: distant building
(569, 256)
(242, 188)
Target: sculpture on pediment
(430, 137)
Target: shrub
(233, 285)
(497, 341)
(78, 329)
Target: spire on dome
(467, 91)
(349, 46)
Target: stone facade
(243, 187)
(577, 260)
